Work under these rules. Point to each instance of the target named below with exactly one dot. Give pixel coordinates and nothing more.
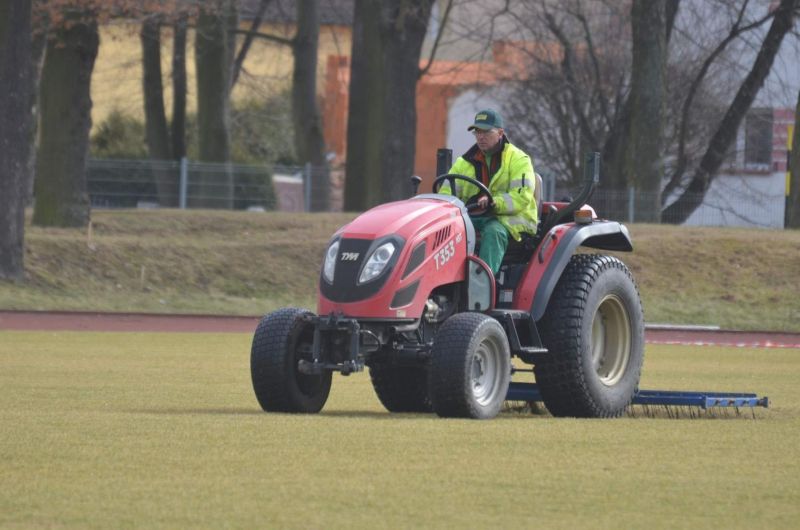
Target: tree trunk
(381, 129)
(178, 127)
(60, 187)
(38, 44)
(15, 140)
(155, 118)
(214, 189)
(793, 201)
(308, 139)
(405, 23)
(648, 20)
(615, 171)
(364, 114)
(692, 197)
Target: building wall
(745, 195)
(743, 200)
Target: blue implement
(704, 400)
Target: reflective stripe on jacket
(512, 187)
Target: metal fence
(732, 200)
(185, 184)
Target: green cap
(487, 119)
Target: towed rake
(670, 403)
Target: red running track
(142, 322)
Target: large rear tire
(281, 339)
(470, 367)
(594, 330)
(401, 388)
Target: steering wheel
(482, 189)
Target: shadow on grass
(367, 414)
(197, 412)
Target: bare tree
(692, 197)
(382, 119)
(213, 66)
(16, 83)
(249, 37)
(647, 96)
(155, 118)
(309, 141)
(178, 124)
(578, 94)
(60, 186)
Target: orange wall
(434, 93)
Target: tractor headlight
(377, 262)
(329, 266)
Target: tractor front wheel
(281, 340)
(470, 367)
(593, 329)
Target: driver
(508, 173)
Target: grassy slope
(109, 430)
(250, 263)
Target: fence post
(184, 183)
(307, 186)
(631, 203)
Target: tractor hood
(391, 247)
(402, 218)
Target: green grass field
(113, 430)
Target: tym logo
(349, 256)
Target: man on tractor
(508, 173)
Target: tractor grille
(441, 236)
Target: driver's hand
(483, 202)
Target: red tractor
(403, 292)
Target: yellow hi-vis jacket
(511, 181)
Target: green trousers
(494, 240)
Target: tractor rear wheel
(594, 330)
(470, 367)
(401, 388)
(283, 338)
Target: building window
(758, 139)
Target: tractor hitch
(337, 346)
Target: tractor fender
(605, 235)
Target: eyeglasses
(479, 132)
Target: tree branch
(436, 41)
(248, 41)
(735, 31)
(680, 210)
(266, 36)
(566, 66)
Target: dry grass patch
(250, 263)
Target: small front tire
(283, 338)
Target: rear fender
(553, 254)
